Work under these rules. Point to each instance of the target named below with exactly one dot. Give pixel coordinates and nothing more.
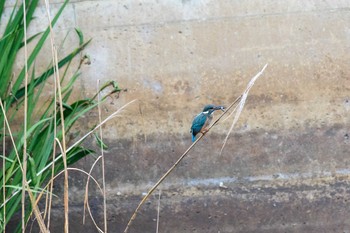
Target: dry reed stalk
(3, 172)
(89, 177)
(241, 104)
(72, 169)
(50, 188)
(102, 159)
(11, 137)
(24, 171)
(37, 213)
(86, 199)
(115, 114)
(242, 99)
(93, 220)
(25, 185)
(175, 165)
(64, 149)
(69, 169)
(59, 92)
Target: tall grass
(38, 139)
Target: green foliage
(44, 125)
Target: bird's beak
(222, 108)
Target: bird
(203, 119)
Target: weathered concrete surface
(270, 186)
(310, 205)
(285, 166)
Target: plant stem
(24, 174)
(174, 166)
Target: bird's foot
(204, 131)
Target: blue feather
(197, 124)
(193, 138)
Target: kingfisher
(203, 119)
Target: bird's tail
(193, 138)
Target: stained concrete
(285, 168)
(318, 206)
(272, 185)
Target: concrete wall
(286, 165)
